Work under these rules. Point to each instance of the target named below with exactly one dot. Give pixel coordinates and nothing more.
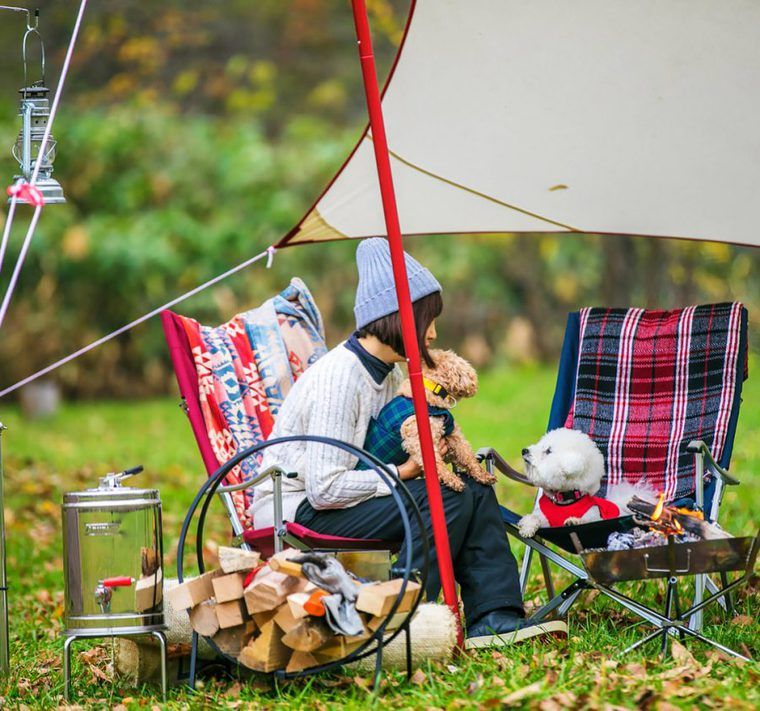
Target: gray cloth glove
(340, 606)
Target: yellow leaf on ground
(419, 677)
(680, 654)
(524, 693)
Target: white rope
(19, 264)
(269, 252)
(7, 227)
(35, 173)
(90, 346)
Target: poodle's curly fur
(459, 378)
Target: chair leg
(525, 569)
(724, 600)
(697, 619)
(547, 577)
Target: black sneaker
(502, 627)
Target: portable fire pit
(662, 552)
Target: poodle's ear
(571, 463)
(462, 378)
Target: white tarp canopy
(608, 116)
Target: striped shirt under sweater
(335, 397)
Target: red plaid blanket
(649, 382)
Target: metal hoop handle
(30, 28)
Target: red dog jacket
(557, 512)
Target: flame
(655, 515)
(696, 513)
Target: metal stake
(5, 654)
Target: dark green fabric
(384, 432)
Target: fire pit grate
(669, 559)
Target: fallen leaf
(635, 670)
(362, 682)
(419, 677)
(743, 620)
(524, 693)
(680, 654)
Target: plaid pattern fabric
(649, 382)
(384, 432)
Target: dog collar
(435, 388)
(566, 498)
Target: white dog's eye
(548, 450)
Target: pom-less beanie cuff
(376, 291)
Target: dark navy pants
(484, 566)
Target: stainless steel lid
(111, 490)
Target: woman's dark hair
(388, 328)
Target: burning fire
(670, 526)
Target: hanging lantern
(34, 111)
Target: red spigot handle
(118, 582)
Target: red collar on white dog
(565, 498)
(557, 513)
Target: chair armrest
(490, 455)
(266, 474)
(697, 446)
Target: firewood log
(378, 598)
(232, 640)
(261, 618)
(230, 614)
(267, 652)
(286, 567)
(693, 524)
(285, 619)
(267, 592)
(234, 560)
(300, 661)
(228, 587)
(192, 592)
(393, 624)
(308, 635)
(338, 647)
(203, 618)
(296, 602)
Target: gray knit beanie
(376, 292)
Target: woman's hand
(411, 470)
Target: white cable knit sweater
(335, 397)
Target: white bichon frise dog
(569, 467)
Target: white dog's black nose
(525, 452)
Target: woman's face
(430, 334)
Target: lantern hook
(30, 28)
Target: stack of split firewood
(269, 616)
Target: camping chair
(659, 393)
(232, 380)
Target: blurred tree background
(192, 135)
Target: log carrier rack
(374, 644)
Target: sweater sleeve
(330, 479)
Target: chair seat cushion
(591, 535)
(262, 540)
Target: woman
(337, 397)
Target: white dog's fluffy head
(563, 460)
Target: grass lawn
(68, 452)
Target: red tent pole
(380, 144)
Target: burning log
(670, 520)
